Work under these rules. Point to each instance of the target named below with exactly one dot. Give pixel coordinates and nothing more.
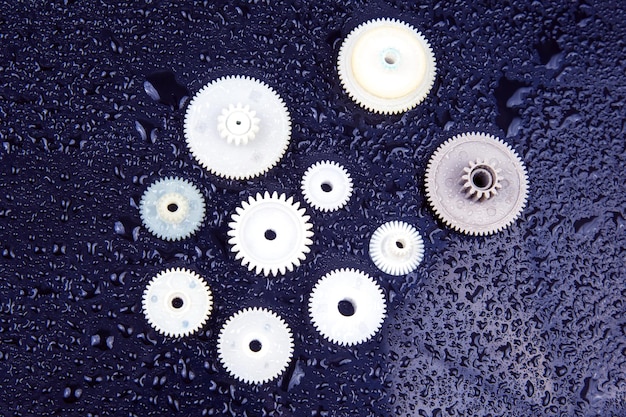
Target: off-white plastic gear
(386, 66)
(446, 186)
(172, 208)
(396, 248)
(326, 186)
(177, 302)
(358, 292)
(270, 233)
(238, 124)
(220, 145)
(481, 180)
(255, 345)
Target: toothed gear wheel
(172, 208)
(270, 234)
(177, 302)
(347, 306)
(255, 345)
(326, 186)
(386, 66)
(476, 184)
(237, 127)
(396, 248)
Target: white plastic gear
(238, 124)
(270, 233)
(446, 184)
(326, 186)
(396, 248)
(172, 208)
(481, 180)
(386, 66)
(236, 156)
(255, 345)
(360, 294)
(177, 302)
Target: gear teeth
(330, 174)
(396, 248)
(256, 234)
(235, 350)
(192, 291)
(365, 296)
(369, 100)
(460, 222)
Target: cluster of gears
(238, 128)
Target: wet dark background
(527, 322)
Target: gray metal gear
(476, 184)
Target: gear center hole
(177, 302)
(172, 207)
(255, 345)
(400, 244)
(326, 186)
(270, 234)
(346, 307)
(483, 177)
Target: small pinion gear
(172, 208)
(237, 127)
(255, 345)
(177, 302)
(386, 66)
(326, 186)
(347, 306)
(476, 184)
(396, 248)
(270, 233)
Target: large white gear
(476, 184)
(270, 233)
(255, 345)
(237, 127)
(396, 248)
(177, 302)
(172, 208)
(347, 306)
(386, 66)
(326, 186)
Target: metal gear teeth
(173, 321)
(396, 248)
(280, 216)
(430, 182)
(364, 295)
(179, 229)
(345, 78)
(275, 345)
(337, 178)
(198, 156)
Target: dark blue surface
(527, 322)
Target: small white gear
(396, 248)
(177, 302)
(386, 66)
(172, 208)
(237, 127)
(255, 345)
(326, 186)
(270, 233)
(238, 124)
(347, 306)
(498, 184)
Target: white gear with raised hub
(396, 248)
(347, 306)
(386, 66)
(270, 233)
(172, 208)
(177, 302)
(237, 127)
(255, 345)
(476, 184)
(326, 186)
